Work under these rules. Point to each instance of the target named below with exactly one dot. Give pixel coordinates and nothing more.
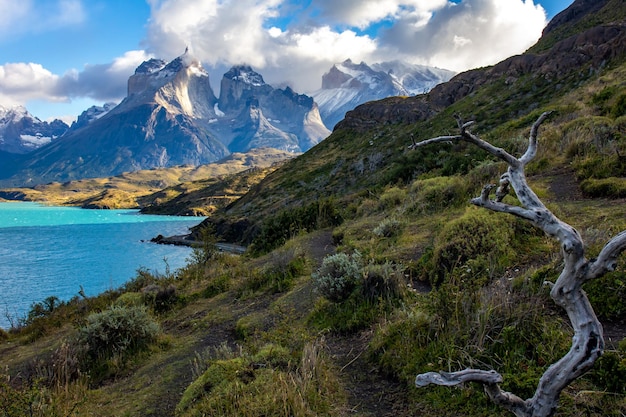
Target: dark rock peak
(175, 65)
(246, 74)
(151, 66)
(300, 99)
(334, 78)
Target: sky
(58, 57)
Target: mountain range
(171, 116)
(21, 132)
(347, 85)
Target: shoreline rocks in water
(187, 240)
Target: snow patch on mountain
(35, 141)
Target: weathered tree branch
(588, 341)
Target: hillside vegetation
(366, 266)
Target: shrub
(278, 274)
(268, 383)
(609, 372)
(432, 194)
(160, 298)
(604, 188)
(472, 245)
(129, 299)
(116, 332)
(608, 295)
(383, 282)
(338, 276)
(277, 229)
(388, 227)
(392, 197)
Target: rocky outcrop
(91, 114)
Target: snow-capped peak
(245, 74)
(347, 85)
(14, 113)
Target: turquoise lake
(52, 251)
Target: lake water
(52, 251)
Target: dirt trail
(369, 392)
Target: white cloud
(362, 13)
(471, 34)
(296, 44)
(127, 63)
(283, 40)
(12, 13)
(21, 82)
(215, 31)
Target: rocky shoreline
(187, 240)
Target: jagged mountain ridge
(172, 117)
(347, 85)
(21, 132)
(91, 114)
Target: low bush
(160, 298)
(388, 227)
(278, 274)
(116, 332)
(609, 372)
(130, 299)
(383, 282)
(604, 188)
(271, 383)
(432, 194)
(473, 246)
(608, 295)
(391, 198)
(493, 327)
(338, 276)
(278, 229)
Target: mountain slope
(368, 148)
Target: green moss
(604, 188)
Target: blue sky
(58, 57)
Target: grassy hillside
(367, 265)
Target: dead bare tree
(588, 340)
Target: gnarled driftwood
(588, 341)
